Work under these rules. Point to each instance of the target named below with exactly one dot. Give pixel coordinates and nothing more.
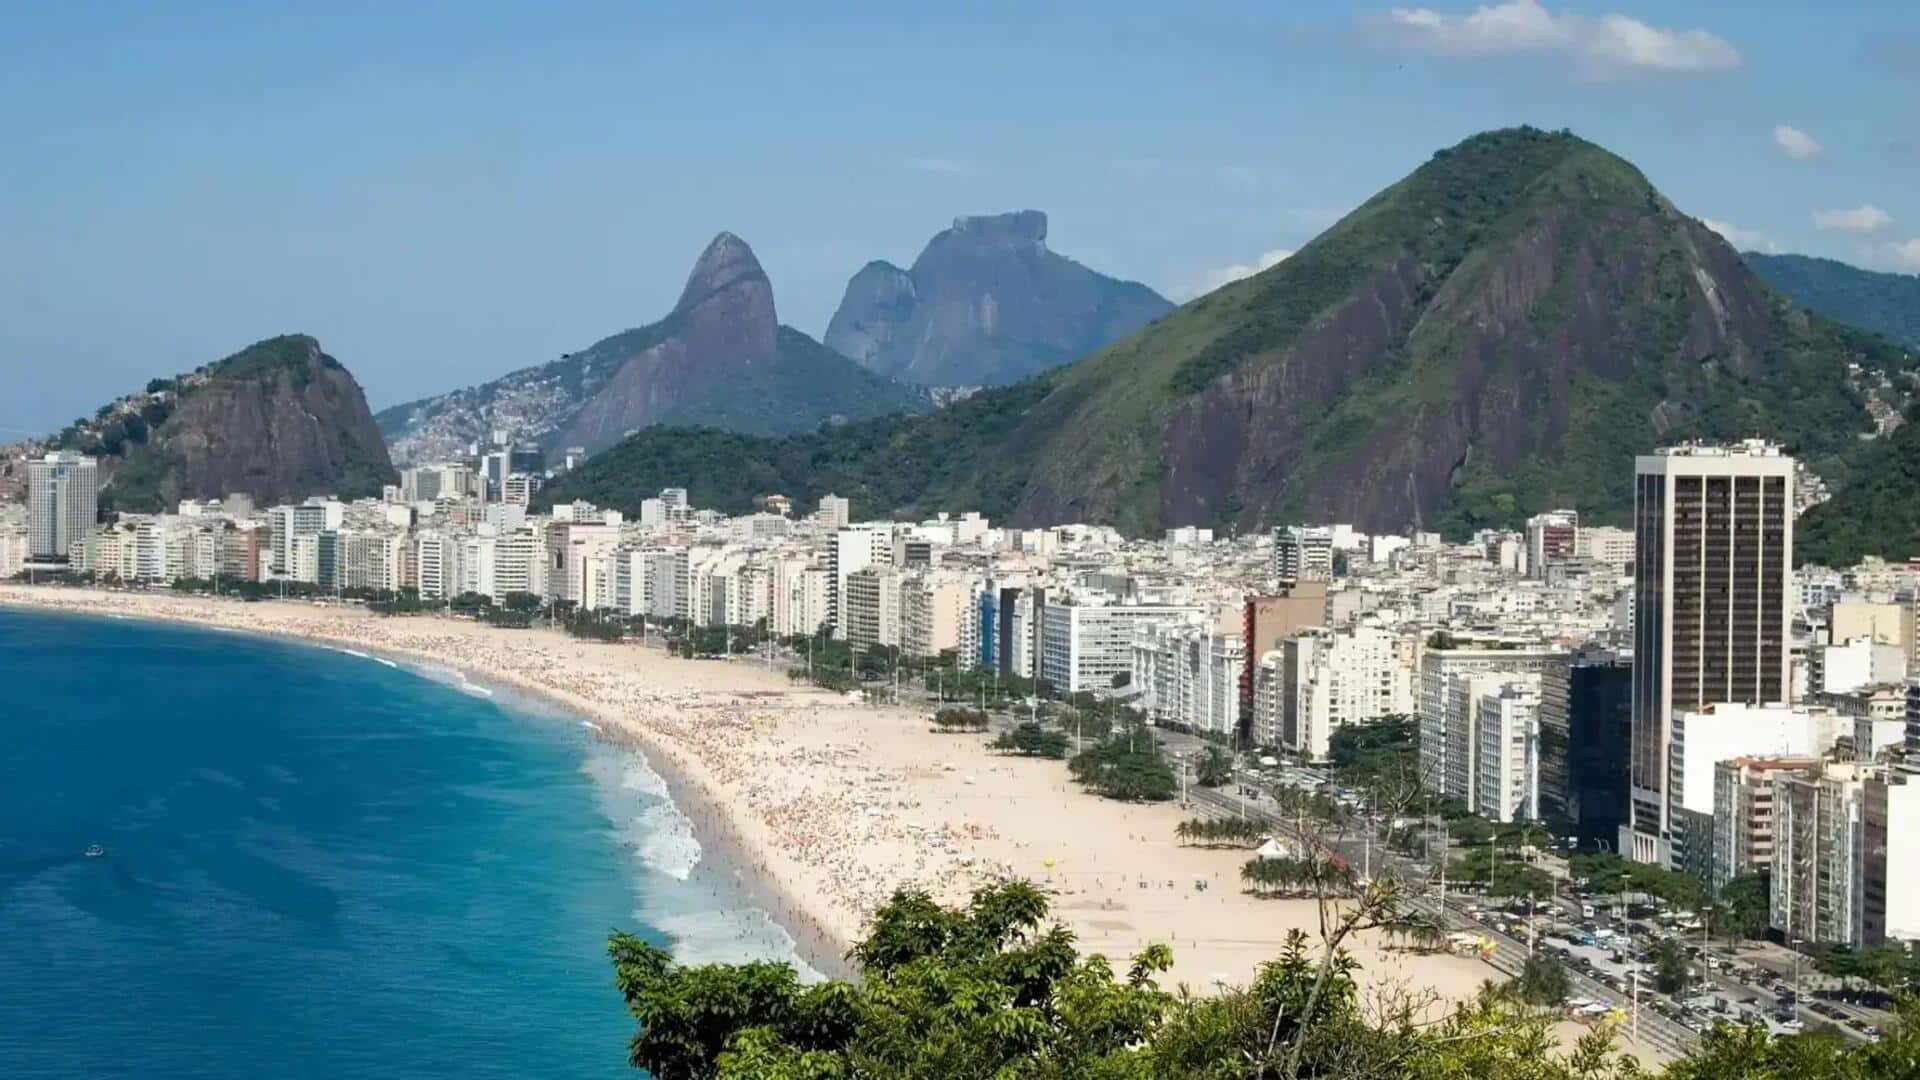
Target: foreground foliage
(994, 990)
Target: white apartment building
(1300, 553)
(1330, 678)
(1604, 544)
(1891, 871)
(519, 564)
(1446, 705)
(1083, 647)
(1855, 664)
(1819, 862)
(1701, 739)
(873, 607)
(63, 501)
(436, 561)
(933, 607)
(372, 559)
(1507, 758)
(1743, 813)
(309, 518)
(14, 544)
(476, 567)
(850, 550)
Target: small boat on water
(94, 851)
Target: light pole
(1633, 981)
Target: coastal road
(1510, 953)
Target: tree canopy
(994, 990)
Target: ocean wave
(663, 838)
(635, 799)
(705, 915)
(705, 935)
(639, 776)
(453, 677)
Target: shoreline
(820, 808)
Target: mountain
(720, 358)
(1496, 334)
(279, 420)
(1877, 514)
(1887, 304)
(985, 304)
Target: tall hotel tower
(63, 499)
(1713, 560)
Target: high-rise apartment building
(63, 499)
(1507, 758)
(833, 511)
(1713, 543)
(1552, 538)
(850, 550)
(1301, 554)
(1449, 736)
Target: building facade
(1713, 542)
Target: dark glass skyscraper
(1713, 559)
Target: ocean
(320, 864)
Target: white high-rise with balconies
(63, 499)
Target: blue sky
(442, 193)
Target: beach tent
(1272, 849)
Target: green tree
(1033, 740)
(1743, 905)
(1542, 981)
(1672, 971)
(1215, 768)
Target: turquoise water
(318, 865)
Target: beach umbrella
(1047, 862)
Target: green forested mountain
(1887, 304)
(1878, 513)
(277, 420)
(1496, 334)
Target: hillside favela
(1361, 542)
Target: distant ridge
(986, 303)
(1887, 304)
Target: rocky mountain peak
(726, 264)
(986, 302)
(1020, 227)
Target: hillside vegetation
(1887, 304)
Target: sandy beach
(829, 805)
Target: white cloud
(1226, 275)
(1794, 142)
(1610, 42)
(1864, 218)
(1743, 239)
(1901, 255)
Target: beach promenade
(829, 805)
